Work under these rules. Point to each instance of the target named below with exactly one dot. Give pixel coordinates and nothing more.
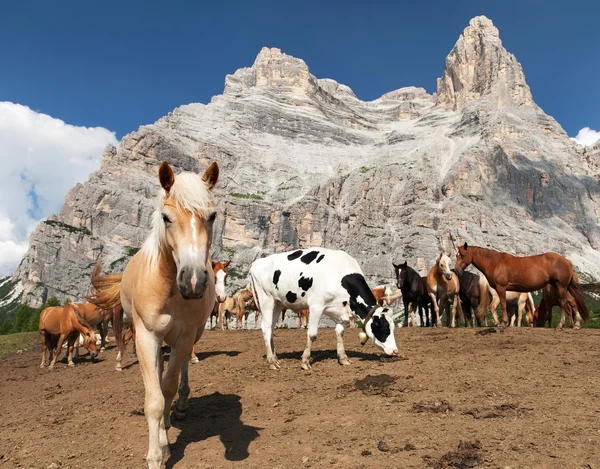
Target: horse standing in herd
(169, 289)
(524, 274)
(443, 288)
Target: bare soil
(458, 399)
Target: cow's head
(379, 327)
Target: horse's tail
(484, 298)
(575, 291)
(106, 289)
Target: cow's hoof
(306, 366)
(345, 361)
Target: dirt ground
(517, 398)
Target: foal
(168, 288)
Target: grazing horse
(323, 281)
(414, 290)
(59, 324)
(443, 287)
(168, 288)
(242, 313)
(543, 312)
(523, 274)
(95, 317)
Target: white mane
(189, 192)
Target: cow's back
(298, 277)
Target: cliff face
(304, 162)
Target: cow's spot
(295, 255)
(380, 327)
(344, 303)
(276, 276)
(303, 293)
(305, 283)
(320, 258)
(308, 258)
(291, 297)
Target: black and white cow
(322, 281)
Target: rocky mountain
(304, 162)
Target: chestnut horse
(95, 317)
(523, 274)
(168, 288)
(543, 312)
(59, 324)
(443, 287)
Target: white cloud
(41, 159)
(586, 137)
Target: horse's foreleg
(70, 346)
(194, 357)
(59, 344)
(44, 349)
(502, 297)
(341, 351)
(149, 355)
(436, 308)
(405, 301)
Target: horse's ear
(211, 175)
(465, 246)
(405, 264)
(226, 264)
(166, 176)
(396, 266)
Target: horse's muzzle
(192, 282)
(448, 276)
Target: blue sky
(123, 64)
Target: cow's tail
(575, 291)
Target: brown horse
(95, 317)
(168, 288)
(443, 287)
(242, 313)
(59, 324)
(543, 311)
(523, 274)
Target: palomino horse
(95, 317)
(59, 324)
(241, 316)
(220, 282)
(443, 287)
(523, 274)
(414, 290)
(168, 288)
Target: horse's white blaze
(220, 284)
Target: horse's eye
(166, 219)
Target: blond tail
(106, 289)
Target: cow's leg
(269, 313)
(314, 316)
(44, 349)
(341, 352)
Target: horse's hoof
(51, 367)
(102, 349)
(274, 366)
(43, 365)
(71, 364)
(118, 368)
(194, 360)
(345, 361)
(577, 327)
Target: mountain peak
(479, 66)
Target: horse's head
(188, 213)
(401, 274)
(89, 342)
(443, 264)
(464, 258)
(379, 327)
(220, 279)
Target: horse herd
(171, 289)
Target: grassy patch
(13, 342)
(113, 263)
(246, 196)
(69, 228)
(287, 188)
(235, 273)
(229, 252)
(129, 251)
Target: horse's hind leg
(562, 297)
(194, 357)
(117, 322)
(44, 349)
